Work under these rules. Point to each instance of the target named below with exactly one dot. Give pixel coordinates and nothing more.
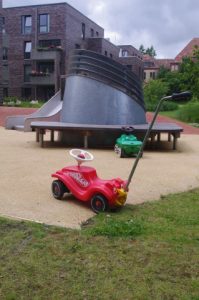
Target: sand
(25, 177)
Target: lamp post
(171, 97)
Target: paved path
(29, 197)
(10, 111)
(187, 128)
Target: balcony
(38, 78)
(46, 54)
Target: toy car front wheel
(119, 151)
(58, 189)
(99, 203)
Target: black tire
(122, 153)
(58, 189)
(99, 203)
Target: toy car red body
(86, 186)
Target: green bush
(189, 112)
(10, 100)
(154, 90)
(26, 103)
(166, 106)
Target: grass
(186, 112)
(25, 104)
(148, 251)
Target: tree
(154, 90)
(150, 51)
(141, 49)
(189, 70)
(171, 78)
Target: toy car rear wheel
(58, 189)
(99, 203)
(121, 153)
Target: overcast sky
(168, 25)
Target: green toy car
(127, 145)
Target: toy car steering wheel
(128, 128)
(81, 155)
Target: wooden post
(41, 137)
(52, 135)
(37, 135)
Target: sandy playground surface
(25, 177)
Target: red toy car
(86, 186)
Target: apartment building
(36, 42)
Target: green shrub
(189, 112)
(10, 100)
(166, 106)
(154, 90)
(26, 103)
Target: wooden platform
(86, 130)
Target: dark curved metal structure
(100, 91)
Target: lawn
(186, 112)
(148, 251)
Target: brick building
(152, 65)
(36, 42)
(131, 58)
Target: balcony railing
(38, 78)
(46, 54)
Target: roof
(188, 50)
(166, 62)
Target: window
(97, 33)
(124, 53)
(111, 55)
(26, 93)
(44, 23)
(46, 67)
(27, 71)
(92, 32)
(105, 53)
(27, 50)
(26, 22)
(174, 67)
(5, 92)
(2, 20)
(5, 53)
(2, 24)
(83, 31)
(152, 75)
(77, 46)
(129, 67)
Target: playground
(26, 175)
